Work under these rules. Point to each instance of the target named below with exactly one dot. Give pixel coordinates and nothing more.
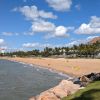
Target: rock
(86, 79)
(95, 77)
(64, 88)
(47, 96)
(76, 81)
(33, 98)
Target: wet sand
(76, 67)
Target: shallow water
(21, 81)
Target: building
(2, 51)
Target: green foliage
(83, 50)
(91, 92)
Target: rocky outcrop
(65, 88)
(86, 79)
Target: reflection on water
(21, 81)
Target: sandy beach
(76, 67)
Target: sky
(35, 24)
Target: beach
(75, 67)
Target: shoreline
(67, 75)
(70, 75)
(71, 67)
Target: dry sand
(75, 67)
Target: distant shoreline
(71, 67)
(43, 67)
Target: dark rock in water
(76, 81)
(86, 79)
(93, 76)
(89, 75)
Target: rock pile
(86, 79)
(65, 88)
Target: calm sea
(20, 81)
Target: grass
(91, 92)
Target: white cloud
(46, 45)
(39, 23)
(32, 13)
(2, 41)
(75, 42)
(79, 41)
(9, 33)
(3, 46)
(50, 28)
(92, 27)
(59, 31)
(78, 7)
(30, 45)
(60, 5)
(44, 14)
(38, 45)
(91, 37)
(42, 26)
(35, 45)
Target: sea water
(20, 81)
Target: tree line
(82, 50)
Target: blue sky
(31, 24)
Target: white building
(2, 50)
(98, 56)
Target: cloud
(83, 41)
(2, 45)
(59, 31)
(9, 33)
(36, 45)
(70, 44)
(39, 45)
(30, 45)
(42, 26)
(50, 28)
(2, 42)
(75, 42)
(91, 37)
(32, 13)
(40, 23)
(78, 7)
(92, 27)
(60, 5)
